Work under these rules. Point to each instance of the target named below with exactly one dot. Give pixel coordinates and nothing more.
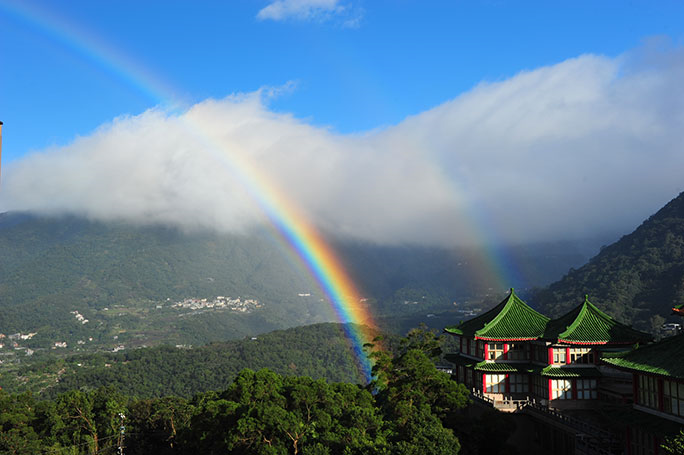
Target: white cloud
(586, 145)
(310, 10)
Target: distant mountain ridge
(116, 275)
(635, 279)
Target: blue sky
(394, 111)
(400, 57)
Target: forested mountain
(51, 266)
(637, 279)
(318, 351)
(410, 408)
(123, 280)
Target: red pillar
(486, 351)
(550, 355)
(508, 385)
(505, 353)
(567, 356)
(484, 383)
(550, 392)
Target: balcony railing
(589, 440)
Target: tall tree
(416, 398)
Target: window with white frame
(648, 391)
(559, 356)
(673, 398)
(496, 383)
(581, 355)
(496, 351)
(561, 389)
(517, 351)
(518, 383)
(586, 389)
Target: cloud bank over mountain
(587, 145)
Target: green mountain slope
(124, 280)
(635, 278)
(115, 275)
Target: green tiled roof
(586, 324)
(662, 358)
(512, 319)
(568, 372)
(491, 367)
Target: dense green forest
(410, 408)
(318, 351)
(637, 279)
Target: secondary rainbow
(291, 225)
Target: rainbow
(292, 226)
(302, 237)
(497, 263)
(495, 266)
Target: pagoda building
(500, 349)
(658, 374)
(513, 352)
(576, 341)
(658, 391)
